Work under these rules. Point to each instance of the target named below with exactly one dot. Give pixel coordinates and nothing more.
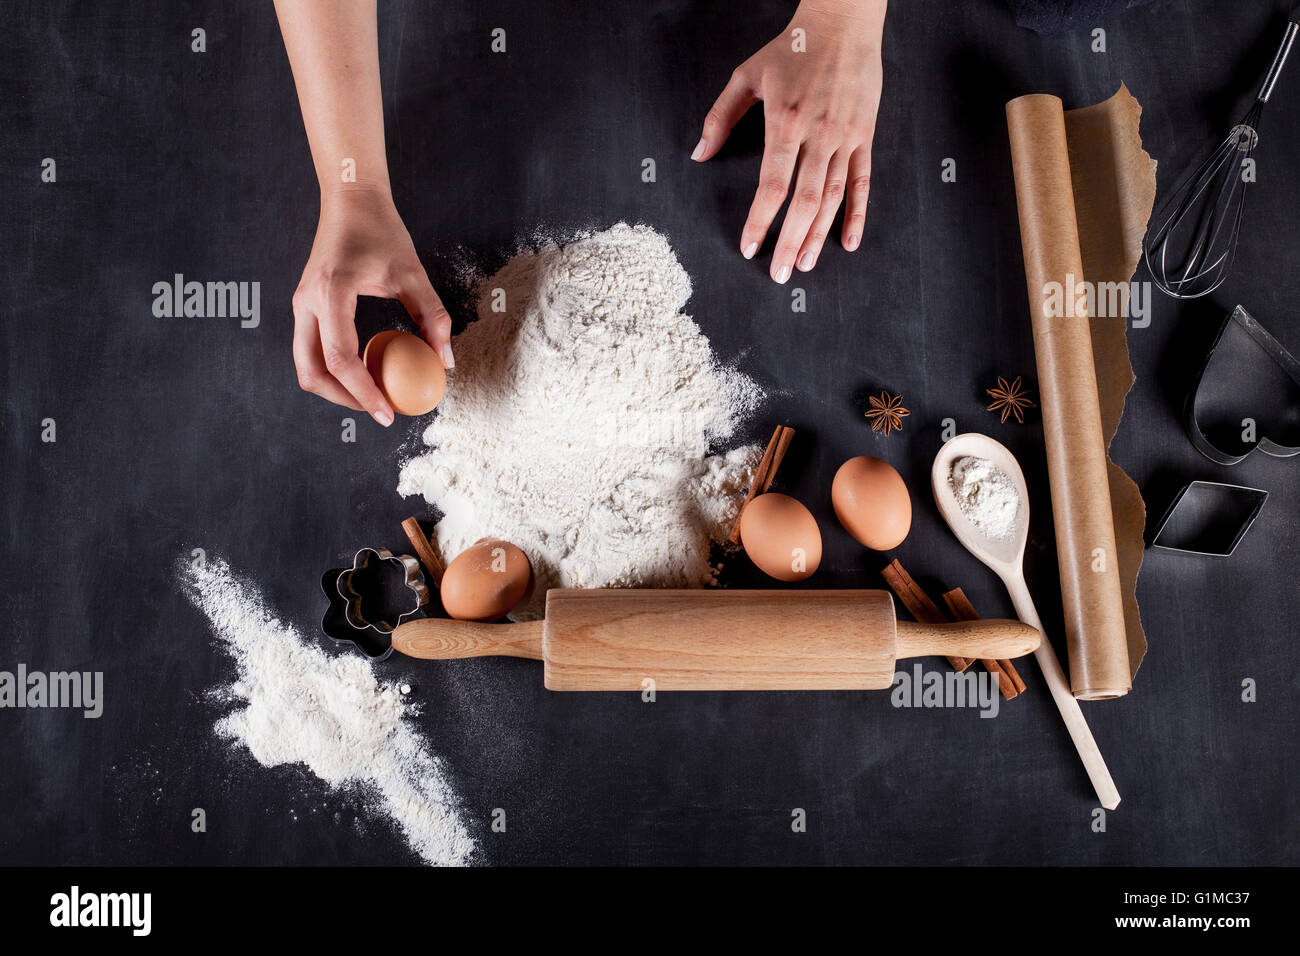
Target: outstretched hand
(820, 84)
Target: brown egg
(781, 536)
(872, 503)
(407, 371)
(485, 581)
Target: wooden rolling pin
(716, 640)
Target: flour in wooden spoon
(296, 704)
(986, 495)
(581, 421)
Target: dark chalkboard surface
(181, 433)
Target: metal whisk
(1191, 249)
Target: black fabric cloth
(1049, 17)
(183, 433)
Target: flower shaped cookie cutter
(356, 613)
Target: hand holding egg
(361, 248)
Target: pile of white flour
(329, 713)
(580, 421)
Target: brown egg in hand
(407, 371)
(872, 503)
(781, 537)
(485, 581)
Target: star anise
(887, 413)
(1009, 399)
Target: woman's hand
(361, 248)
(820, 91)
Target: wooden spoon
(1006, 557)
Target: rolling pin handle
(442, 639)
(994, 639)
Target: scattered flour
(986, 495)
(581, 418)
(330, 713)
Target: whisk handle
(1274, 71)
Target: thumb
(735, 100)
(417, 296)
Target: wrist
(342, 197)
(868, 13)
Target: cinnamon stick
(424, 550)
(1008, 678)
(918, 603)
(783, 435)
(764, 473)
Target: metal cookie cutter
(356, 612)
(1210, 518)
(1247, 372)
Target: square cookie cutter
(1208, 518)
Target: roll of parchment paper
(1084, 191)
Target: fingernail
(853, 242)
(806, 262)
(384, 418)
(444, 352)
(783, 275)
(750, 250)
(700, 147)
